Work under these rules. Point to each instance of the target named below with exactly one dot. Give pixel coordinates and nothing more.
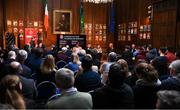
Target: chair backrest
(61, 64)
(54, 97)
(45, 90)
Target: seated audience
(87, 80)
(36, 61)
(4, 69)
(168, 100)
(128, 75)
(151, 53)
(170, 55)
(172, 83)
(11, 92)
(28, 85)
(161, 64)
(75, 63)
(146, 87)
(116, 94)
(104, 69)
(62, 55)
(47, 70)
(70, 97)
(21, 58)
(128, 56)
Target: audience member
(104, 69)
(128, 56)
(62, 55)
(146, 87)
(28, 85)
(172, 83)
(116, 94)
(168, 100)
(47, 70)
(10, 92)
(21, 58)
(125, 67)
(170, 55)
(88, 80)
(151, 53)
(161, 64)
(36, 61)
(70, 97)
(110, 48)
(75, 63)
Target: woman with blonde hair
(11, 92)
(75, 63)
(47, 70)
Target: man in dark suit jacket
(88, 80)
(28, 85)
(116, 94)
(172, 83)
(21, 57)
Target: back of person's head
(175, 67)
(64, 78)
(168, 100)
(124, 64)
(11, 92)
(146, 72)
(64, 49)
(163, 50)
(116, 75)
(127, 48)
(87, 62)
(39, 52)
(15, 68)
(12, 55)
(22, 55)
(112, 57)
(74, 58)
(94, 53)
(48, 65)
(82, 52)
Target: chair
(54, 97)
(61, 64)
(45, 90)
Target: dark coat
(145, 96)
(88, 81)
(113, 98)
(28, 88)
(172, 83)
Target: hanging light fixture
(98, 1)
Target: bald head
(15, 67)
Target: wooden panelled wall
(33, 10)
(130, 11)
(165, 23)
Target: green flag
(81, 18)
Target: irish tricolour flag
(46, 17)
